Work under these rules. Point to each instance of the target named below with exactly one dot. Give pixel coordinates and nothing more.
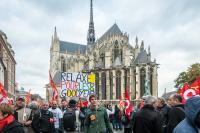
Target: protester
(97, 120)
(71, 117)
(147, 120)
(163, 108)
(176, 114)
(64, 104)
(191, 124)
(43, 121)
(22, 114)
(117, 123)
(126, 122)
(58, 115)
(8, 124)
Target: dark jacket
(97, 121)
(41, 122)
(147, 120)
(164, 116)
(175, 116)
(13, 127)
(192, 108)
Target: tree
(188, 76)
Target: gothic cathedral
(117, 64)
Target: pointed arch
(97, 84)
(103, 84)
(111, 85)
(142, 80)
(151, 80)
(118, 84)
(102, 57)
(116, 50)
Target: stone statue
(147, 87)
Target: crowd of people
(150, 115)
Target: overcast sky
(170, 27)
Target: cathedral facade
(117, 64)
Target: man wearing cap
(22, 114)
(97, 120)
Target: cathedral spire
(136, 42)
(149, 50)
(91, 32)
(142, 45)
(55, 34)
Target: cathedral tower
(91, 32)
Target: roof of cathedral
(142, 57)
(112, 31)
(72, 47)
(57, 77)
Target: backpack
(69, 120)
(81, 115)
(42, 123)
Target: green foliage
(188, 76)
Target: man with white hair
(147, 120)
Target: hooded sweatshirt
(192, 108)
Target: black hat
(72, 103)
(20, 99)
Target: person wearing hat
(97, 120)
(22, 114)
(8, 124)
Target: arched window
(63, 65)
(102, 56)
(116, 51)
(103, 83)
(97, 84)
(118, 84)
(151, 80)
(142, 81)
(111, 85)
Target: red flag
(4, 98)
(189, 91)
(53, 86)
(82, 103)
(121, 103)
(27, 98)
(3, 91)
(128, 105)
(196, 86)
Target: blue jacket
(192, 107)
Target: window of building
(103, 83)
(111, 85)
(118, 84)
(97, 84)
(142, 81)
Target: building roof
(142, 58)
(57, 78)
(72, 47)
(114, 30)
(168, 94)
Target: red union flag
(196, 86)
(189, 91)
(27, 98)
(128, 105)
(53, 86)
